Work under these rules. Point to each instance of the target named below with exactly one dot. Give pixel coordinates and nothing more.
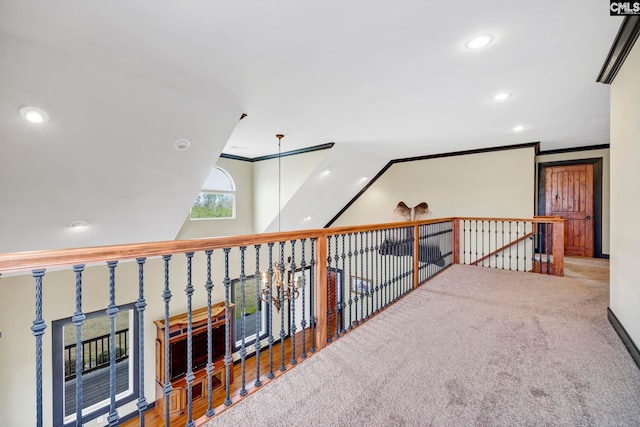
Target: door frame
(597, 195)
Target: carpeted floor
(473, 347)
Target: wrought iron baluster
(189, 376)
(517, 246)
(270, 375)
(343, 304)
(303, 321)
(347, 279)
(524, 246)
(312, 316)
(329, 305)
(228, 318)
(376, 305)
(38, 327)
(510, 244)
(362, 272)
(166, 297)
(282, 333)
(503, 248)
(368, 274)
(476, 259)
(534, 231)
(356, 321)
(208, 286)
(243, 327)
(78, 319)
(292, 303)
(337, 289)
(112, 311)
(257, 343)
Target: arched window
(217, 200)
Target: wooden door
(569, 194)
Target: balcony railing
(337, 279)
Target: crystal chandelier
(274, 288)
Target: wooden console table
(177, 340)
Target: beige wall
(294, 171)
(625, 194)
(242, 174)
(499, 183)
(591, 154)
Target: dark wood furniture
(177, 400)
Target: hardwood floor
(153, 417)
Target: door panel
(569, 194)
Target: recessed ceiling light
(34, 114)
(307, 218)
(479, 41)
(182, 145)
(326, 171)
(364, 178)
(501, 96)
(519, 128)
(78, 224)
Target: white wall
(242, 174)
(294, 171)
(606, 185)
(625, 194)
(491, 184)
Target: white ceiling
(122, 80)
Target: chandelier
(275, 289)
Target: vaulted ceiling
(123, 80)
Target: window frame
(237, 327)
(231, 192)
(58, 372)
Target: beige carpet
(474, 346)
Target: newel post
(558, 247)
(455, 244)
(321, 294)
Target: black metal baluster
(78, 319)
(510, 244)
(271, 339)
(503, 248)
(303, 322)
(367, 274)
(189, 376)
(166, 297)
(517, 246)
(282, 334)
(257, 343)
(312, 315)
(534, 232)
(38, 327)
(337, 288)
(356, 321)
(362, 272)
(524, 246)
(343, 304)
(329, 305)
(112, 311)
(228, 318)
(292, 302)
(376, 305)
(208, 286)
(347, 279)
(243, 326)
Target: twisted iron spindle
(293, 328)
(38, 328)
(303, 322)
(112, 311)
(243, 329)
(208, 286)
(337, 289)
(282, 333)
(344, 273)
(166, 297)
(312, 292)
(78, 319)
(189, 376)
(257, 343)
(328, 287)
(227, 331)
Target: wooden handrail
(26, 261)
(505, 247)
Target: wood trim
(624, 336)
(597, 195)
(558, 247)
(284, 154)
(622, 45)
(535, 145)
(321, 294)
(515, 242)
(575, 149)
(26, 261)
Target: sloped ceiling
(122, 80)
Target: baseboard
(626, 339)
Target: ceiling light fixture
(276, 283)
(519, 128)
(34, 114)
(78, 224)
(182, 144)
(479, 41)
(501, 96)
